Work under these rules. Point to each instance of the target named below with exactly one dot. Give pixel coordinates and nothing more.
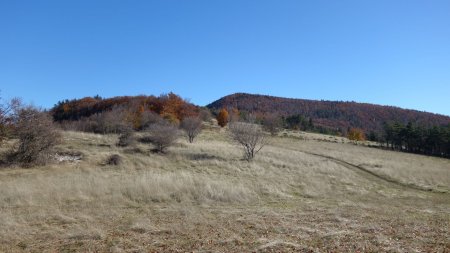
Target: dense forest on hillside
(334, 115)
(102, 115)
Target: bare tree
(249, 136)
(162, 135)
(205, 114)
(192, 126)
(113, 121)
(272, 124)
(126, 137)
(37, 136)
(148, 118)
(8, 113)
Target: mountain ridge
(331, 114)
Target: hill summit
(336, 115)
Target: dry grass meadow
(302, 193)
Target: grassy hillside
(302, 193)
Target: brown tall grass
(205, 197)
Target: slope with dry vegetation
(203, 196)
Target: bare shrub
(205, 114)
(192, 126)
(162, 135)
(8, 112)
(114, 160)
(272, 124)
(85, 124)
(148, 118)
(126, 138)
(249, 136)
(113, 121)
(37, 136)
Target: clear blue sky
(392, 52)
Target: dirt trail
(368, 173)
(373, 174)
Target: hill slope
(331, 114)
(308, 195)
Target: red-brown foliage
(222, 118)
(356, 134)
(169, 106)
(329, 114)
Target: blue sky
(393, 52)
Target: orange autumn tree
(175, 109)
(356, 134)
(171, 107)
(135, 116)
(222, 117)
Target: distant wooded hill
(335, 115)
(169, 106)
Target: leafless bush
(8, 112)
(272, 124)
(192, 126)
(149, 118)
(113, 121)
(205, 114)
(249, 136)
(126, 137)
(114, 160)
(37, 136)
(86, 124)
(162, 135)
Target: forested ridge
(395, 128)
(169, 106)
(336, 115)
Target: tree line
(273, 122)
(169, 106)
(416, 138)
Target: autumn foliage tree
(356, 134)
(222, 118)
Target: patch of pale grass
(424, 171)
(119, 188)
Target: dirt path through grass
(370, 174)
(373, 174)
